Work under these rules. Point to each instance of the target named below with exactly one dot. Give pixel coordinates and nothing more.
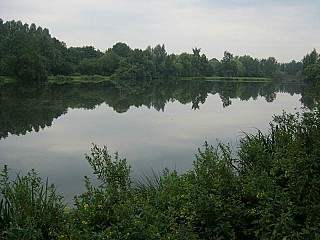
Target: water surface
(49, 128)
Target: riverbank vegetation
(30, 54)
(62, 79)
(267, 189)
(229, 79)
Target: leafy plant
(29, 208)
(269, 189)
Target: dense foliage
(311, 71)
(269, 189)
(311, 65)
(29, 53)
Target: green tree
(109, 62)
(269, 67)
(251, 66)
(22, 57)
(200, 64)
(196, 61)
(122, 49)
(231, 66)
(159, 55)
(172, 66)
(2, 42)
(292, 68)
(89, 66)
(29, 53)
(205, 67)
(185, 63)
(215, 65)
(83, 59)
(311, 65)
(227, 67)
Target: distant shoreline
(229, 79)
(60, 79)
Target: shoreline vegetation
(7, 79)
(229, 79)
(30, 54)
(61, 79)
(268, 189)
(78, 79)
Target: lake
(152, 124)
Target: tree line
(30, 53)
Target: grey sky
(284, 29)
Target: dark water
(153, 125)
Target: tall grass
(148, 180)
(29, 207)
(272, 193)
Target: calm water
(50, 127)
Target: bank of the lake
(269, 189)
(61, 79)
(229, 79)
(7, 79)
(154, 125)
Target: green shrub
(280, 178)
(29, 209)
(269, 189)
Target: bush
(280, 178)
(269, 189)
(29, 208)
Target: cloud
(259, 28)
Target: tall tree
(122, 49)
(230, 66)
(215, 65)
(29, 53)
(109, 62)
(269, 67)
(311, 65)
(251, 66)
(185, 63)
(159, 55)
(196, 61)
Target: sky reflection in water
(149, 139)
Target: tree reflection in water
(31, 108)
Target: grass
(98, 78)
(60, 79)
(269, 189)
(6, 79)
(229, 79)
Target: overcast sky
(285, 29)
